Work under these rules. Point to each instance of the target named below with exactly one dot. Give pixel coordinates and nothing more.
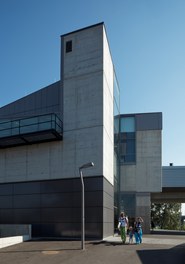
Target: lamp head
(87, 165)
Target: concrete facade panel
(148, 155)
(54, 160)
(143, 177)
(128, 178)
(86, 52)
(83, 102)
(143, 204)
(88, 101)
(86, 146)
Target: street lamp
(85, 166)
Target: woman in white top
(123, 222)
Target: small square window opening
(69, 46)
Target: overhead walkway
(173, 185)
(30, 130)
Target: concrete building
(46, 136)
(140, 163)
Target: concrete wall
(144, 177)
(87, 80)
(148, 155)
(15, 230)
(143, 209)
(14, 234)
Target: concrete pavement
(154, 249)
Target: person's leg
(136, 237)
(124, 234)
(121, 232)
(140, 235)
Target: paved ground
(154, 249)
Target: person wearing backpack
(122, 225)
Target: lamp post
(85, 166)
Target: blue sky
(147, 41)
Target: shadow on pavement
(109, 243)
(175, 255)
(40, 246)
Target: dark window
(69, 46)
(127, 147)
(128, 204)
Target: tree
(166, 215)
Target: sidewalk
(158, 239)
(154, 249)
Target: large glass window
(127, 140)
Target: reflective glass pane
(127, 124)
(45, 118)
(116, 124)
(28, 129)
(44, 126)
(28, 121)
(116, 92)
(6, 125)
(15, 131)
(15, 124)
(127, 147)
(5, 133)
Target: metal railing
(15, 127)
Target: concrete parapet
(14, 230)
(14, 234)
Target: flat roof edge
(78, 30)
(136, 114)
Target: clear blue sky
(147, 41)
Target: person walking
(123, 222)
(138, 230)
(131, 234)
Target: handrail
(30, 125)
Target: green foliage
(166, 215)
(183, 227)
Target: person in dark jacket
(138, 233)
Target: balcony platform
(31, 130)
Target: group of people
(134, 231)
